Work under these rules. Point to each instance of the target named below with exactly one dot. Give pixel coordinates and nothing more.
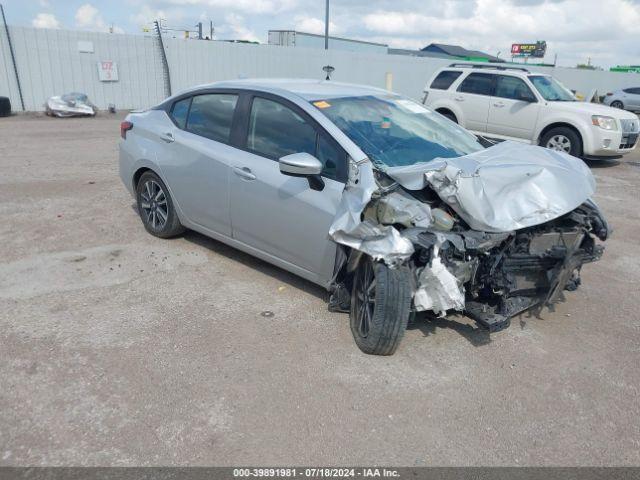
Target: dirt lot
(117, 348)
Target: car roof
(308, 89)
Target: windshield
(394, 131)
(551, 89)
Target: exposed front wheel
(380, 305)
(156, 207)
(564, 140)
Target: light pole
(326, 27)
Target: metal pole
(165, 64)
(326, 27)
(13, 58)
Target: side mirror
(526, 97)
(300, 165)
(303, 165)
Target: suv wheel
(380, 304)
(563, 139)
(156, 207)
(617, 104)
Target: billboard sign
(536, 50)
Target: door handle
(167, 137)
(498, 104)
(244, 172)
(459, 99)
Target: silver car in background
(626, 99)
(391, 207)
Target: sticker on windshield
(322, 104)
(411, 106)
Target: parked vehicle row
(512, 103)
(385, 203)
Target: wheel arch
(445, 111)
(568, 125)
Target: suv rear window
(444, 79)
(478, 83)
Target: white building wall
(49, 64)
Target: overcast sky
(607, 31)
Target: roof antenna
(329, 70)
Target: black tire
(154, 204)
(5, 107)
(449, 115)
(617, 104)
(386, 314)
(557, 136)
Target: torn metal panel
(70, 105)
(438, 289)
(505, 187)
(379, 241)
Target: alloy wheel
(154, 205)
(365, 298)
(559, 143)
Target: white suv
(511, 103)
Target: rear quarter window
(478, 83)
(179, 112)
(444, 79)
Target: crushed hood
(506, 187)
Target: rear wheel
(617, 104)
(156, 207)
(563, 139)
(380, 304)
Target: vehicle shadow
(428, 323)
(252, 262)
(602, 163)
(256, 264)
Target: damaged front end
(480, 234)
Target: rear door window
(444, 79)
(513, 88)
(179, 112)
(211, 116)
(478, 83)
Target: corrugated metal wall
(50, 63)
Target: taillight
(608, 94)
(124, 128)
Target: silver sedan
(394, 209)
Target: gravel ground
(117, 348)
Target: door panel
(473, 96)
(512, 118)
(196, 158)
(513, 109)
(197, 171)
(281, 215)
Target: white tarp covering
(70, 105)
(506, 187)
